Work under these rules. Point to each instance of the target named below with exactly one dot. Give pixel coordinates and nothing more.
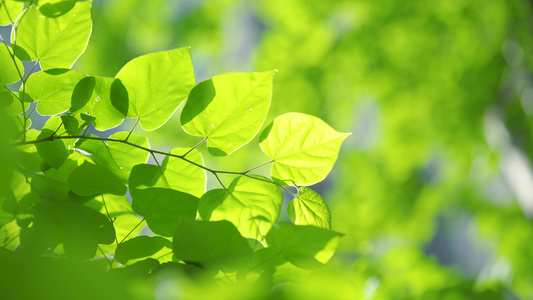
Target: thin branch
(132, 230)
(151, 151)
(107, 258)
(195, 146)
(257, 167)
(134, 125)
(9, 242)
(219, 181)
(109, 216)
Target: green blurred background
(434, 189)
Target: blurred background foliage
(434, 189)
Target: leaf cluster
(83, 197)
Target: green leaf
(103, 98)
(304, 148)
(174, 173)
(9, 72)
(228, 109)
(89, 179)
(48, 189)
(309, 209)
(163, 208)
(157, 83)
(141, 247)
(27, 155)
(253, 206)
(9, 12)
(53, 89)
(213, 245)
(125, 220)
(79, 228)
(54, 152)
(75, 123)
(307, 247)
(118, 157)
(55, 42)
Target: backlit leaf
(55, 42)
(174, 173)
(157, 83)
(253, 206)
(10, 11)
(118, 157)
(304, 148)
(53, 89)
(9, 72)
(103, 98)
(228, 109)
(309, 209)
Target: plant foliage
(79, 196)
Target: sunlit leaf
(157, 83)
(174, 173)
(9, 72)
(309, 209)
(303, 148)
(89, 179)
(163, 208)
(55, 42)
(212, 245)
(53, 89)
(118, 157)
(103, 98)
(306, 247)
(252, 205)
(228, 109)
(10, 11)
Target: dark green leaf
(89, 179)
(213, 245)
(53, 152)
(163, 208)
(141, 247)
(306, 247)
(75, 123)
(79, 228)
